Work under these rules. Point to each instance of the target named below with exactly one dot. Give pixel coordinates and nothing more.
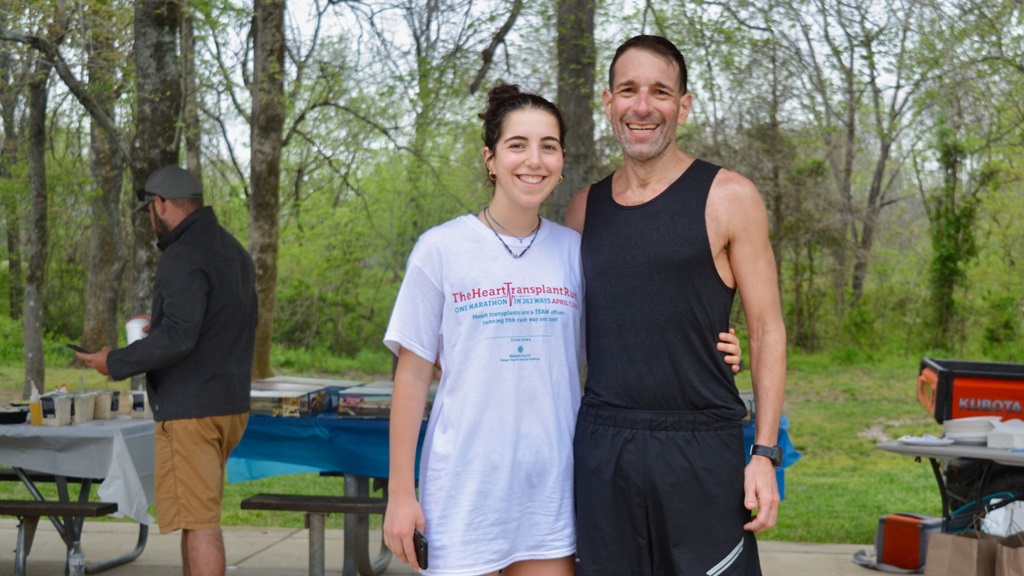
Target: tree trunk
(265, 170)
(576, 61)
(158, 93)
(103, 286)
(37, 231)
(9, 101)
(106, 163)
(193, 130)
(15, 285)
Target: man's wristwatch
(773, 453)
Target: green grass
(842, 484)
(838, 408)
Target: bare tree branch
(52, 55)
(736, 16)
(239, 172)
(499, 38)
(376, 125)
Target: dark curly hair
(504, 99)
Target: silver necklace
(490, 219)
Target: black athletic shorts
(660, 494)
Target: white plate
(925, 441)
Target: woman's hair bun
(497, 95)
(501, 92)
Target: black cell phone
(419, 543)
(78, 348)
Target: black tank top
(655, 302)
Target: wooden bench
(29, 512)
(11, 475)
(317, 508)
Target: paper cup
(134, 329)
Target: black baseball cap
(169, 183)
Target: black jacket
(198, 355)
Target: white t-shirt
(496, 467)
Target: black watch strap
(773, 453)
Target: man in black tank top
(662, 483)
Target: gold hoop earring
(561, 178)
(492, 176)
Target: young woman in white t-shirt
(496, 298)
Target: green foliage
(343, 254)
(848, 355)
(55, 350)
(305, 360)
(1002, 319)
(952, 214)
(11, 342)
(858, 329)
(996, 274)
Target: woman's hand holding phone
(402, 536)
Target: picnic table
(937, 454)
(355, 448)
(118, 451)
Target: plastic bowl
(12, 416)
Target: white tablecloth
(119, 450)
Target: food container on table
(83, 405)
(56, 409)
(1007, 434)
(364, 404)
(115, 403)
(371, 400)
(12, 415)
(301, 397)
(106, 404)
(140, 405)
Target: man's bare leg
(202, 552)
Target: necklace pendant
(515, 256)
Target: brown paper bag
(1010, 555)
(966, 554)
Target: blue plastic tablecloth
(273, 446)
(326, 443)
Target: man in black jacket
(197, 358)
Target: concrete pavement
(284, 552)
